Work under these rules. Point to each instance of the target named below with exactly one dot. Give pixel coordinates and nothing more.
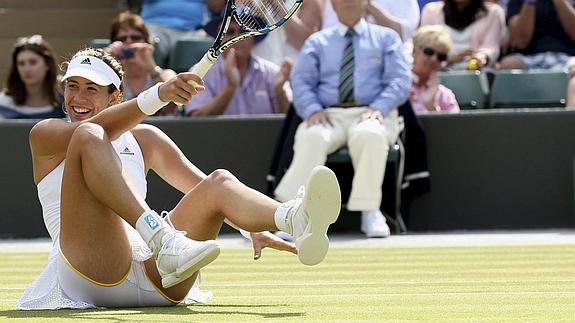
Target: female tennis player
(109, 248)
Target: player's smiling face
(84, 99)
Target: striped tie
(346, 71)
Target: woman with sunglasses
(132, 46)
(430, 47)
(476, 29)
(31, 89)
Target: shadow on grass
(126, 314)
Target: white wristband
(149, 100)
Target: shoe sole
(210, 253)
(322, 204)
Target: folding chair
(525, 89)
(470, 87)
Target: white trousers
(368, 143)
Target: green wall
(489, 169)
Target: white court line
(379, 295)
(417, 240)
(386, 283)
(370, 295)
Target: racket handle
(203, 66)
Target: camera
(126, 53)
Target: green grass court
(512, 283)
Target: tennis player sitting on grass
(109, 248)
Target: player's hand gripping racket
(255, 17)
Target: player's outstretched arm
(50, 137)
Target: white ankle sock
(152, 228)
(281, 214)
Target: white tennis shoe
(180, 257)
(316, 206)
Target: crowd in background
(463, 35)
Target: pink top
(444, 100)
(486, 32)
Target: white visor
(93, 69)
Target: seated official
(348, 82)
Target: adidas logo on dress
(126, 151)
(86, 61)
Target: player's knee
(221, 177)
(88, 132)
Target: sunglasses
(442, 57)
(134, 37)
(32, 40)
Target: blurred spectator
(422, 3)
(502, 3)
(132, 47)
(571, 86)
(286, 42)
(348, 81)
(571, 93)
(476, 28)
(241, 83)
(401, 16)
(431, 44)
(32, 90)
(542, 34)
(170, 20)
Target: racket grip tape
(203, 66)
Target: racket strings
(260, 14)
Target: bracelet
(149, 100)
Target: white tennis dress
(61, 286)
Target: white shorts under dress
(135, 289)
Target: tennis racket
(271, 13)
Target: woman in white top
(31, 91)
(110, 249)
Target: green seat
(526, 89)
(470, 87)
(394, 157)
(188, 52)
(99, 43)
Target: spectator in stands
(476, 28)
(349, 99)
(542, 34)
(131, 45)
(241, 83)
(170, 20)
(31, 89)
(571, 86)
(401, 16)
(431, 45)
(285, 43)
(422, 3)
